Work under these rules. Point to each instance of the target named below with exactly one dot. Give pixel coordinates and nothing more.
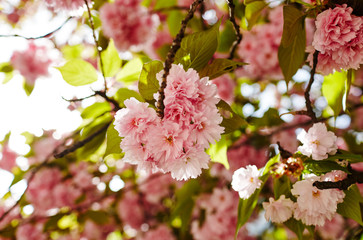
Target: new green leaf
(218, 152)
(148, 84)
(231, 120)
(130, 72)
(219, 67)
(111, 60)
(253, 12)
(333, 90)
(78, 72)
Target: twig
(309, 107)
(171, 55)
(80, 144)
(48, 35)
(108, 99)
(238, 40)
(90, 18)
(79, 99)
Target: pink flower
(43, 148)
(278, 211)
(67, 5)
(246, 180)
(130, 210)
(8, 158)
(31, 232)
(225, 87)
(339, 39)
(162, 232)
(129, 24)
(32, 63)
(314, 206)
(318, 142)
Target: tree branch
(80, 144)
(309, 108)
(355, 177)
(48, 35)
(171, 55)
(90, 19)
(231, 7)
(108, 99)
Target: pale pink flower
(314, 206)
(68, 5)
(225, 87)
(64, 194)
(189, 164)
(333, 229)
(246, 180)
(94, 231)
(129, 24)
(278, 211)
(130, 210)
(31, 232)
(162, 232)
(155, 187)
(43, 148)
(318, 142)
(32, 63)
(135, 119)
(8, 158)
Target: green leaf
(95, 110)
(282, 186)
(7, 69)
(218, 152)
(291, 53)
(148, 84)
(185, 202)
(333, 90)
(113, 141)
(352, 205)
(296, 226)
(227, 37)
(111, 60)
(345, 155)
(251, 1)
(293, 19)
(124, 93)
(246, 206)
(71, 52)
(231, 120)
(164, 4)
(130, 72)
(99, 217)
(219, 67)
(174, 22)
(271, 162)
(199, 47)
(52, 223)
(322, 166)
(270, 118)
(28, 88)
(253, 12)
(78, 72)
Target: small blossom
(278, 210)
(68, 5)
(318, 142)
(246, 180)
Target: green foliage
(231, 120)
(95, 110)
(99, 217)
(345, 155)
(333, 89)
(219, 67)
(227, 37)
(198, 48)
(111, 60)
(270, 118)
(174, 22)
(148, 84)
(282, 186)
(291, 53)
(164, 4)
(322, 167)
(130, 72)
(246, 206)
(71, 52)
(124, 93)
(253, 12)
(352, 207)
(296, 226)
(185, 201)
(113, 141)
(77, 72)
(218, 152)
(7, 69)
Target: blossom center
(169, 139)
(316, 194)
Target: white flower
(318, 142)
(245, 181)
(278, 211)
(314, 206)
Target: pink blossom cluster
(31, 231)
(225, 87)
(128, 24)
(220, 215)
(68, 5)
(339, 39)
(32, 63)
(8, 158)
(162, 232)
(176, 143)
(58, 192)
(259, 48)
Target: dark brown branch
(48, 35)
(108, 99)
(309, 108)
(231, 7)
(90, 18)
(79, 99)
(171, 55)
(80, 144)
(355, 177)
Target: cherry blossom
(246, 180)
(318, 142)
(278, 210)
(68, 5)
